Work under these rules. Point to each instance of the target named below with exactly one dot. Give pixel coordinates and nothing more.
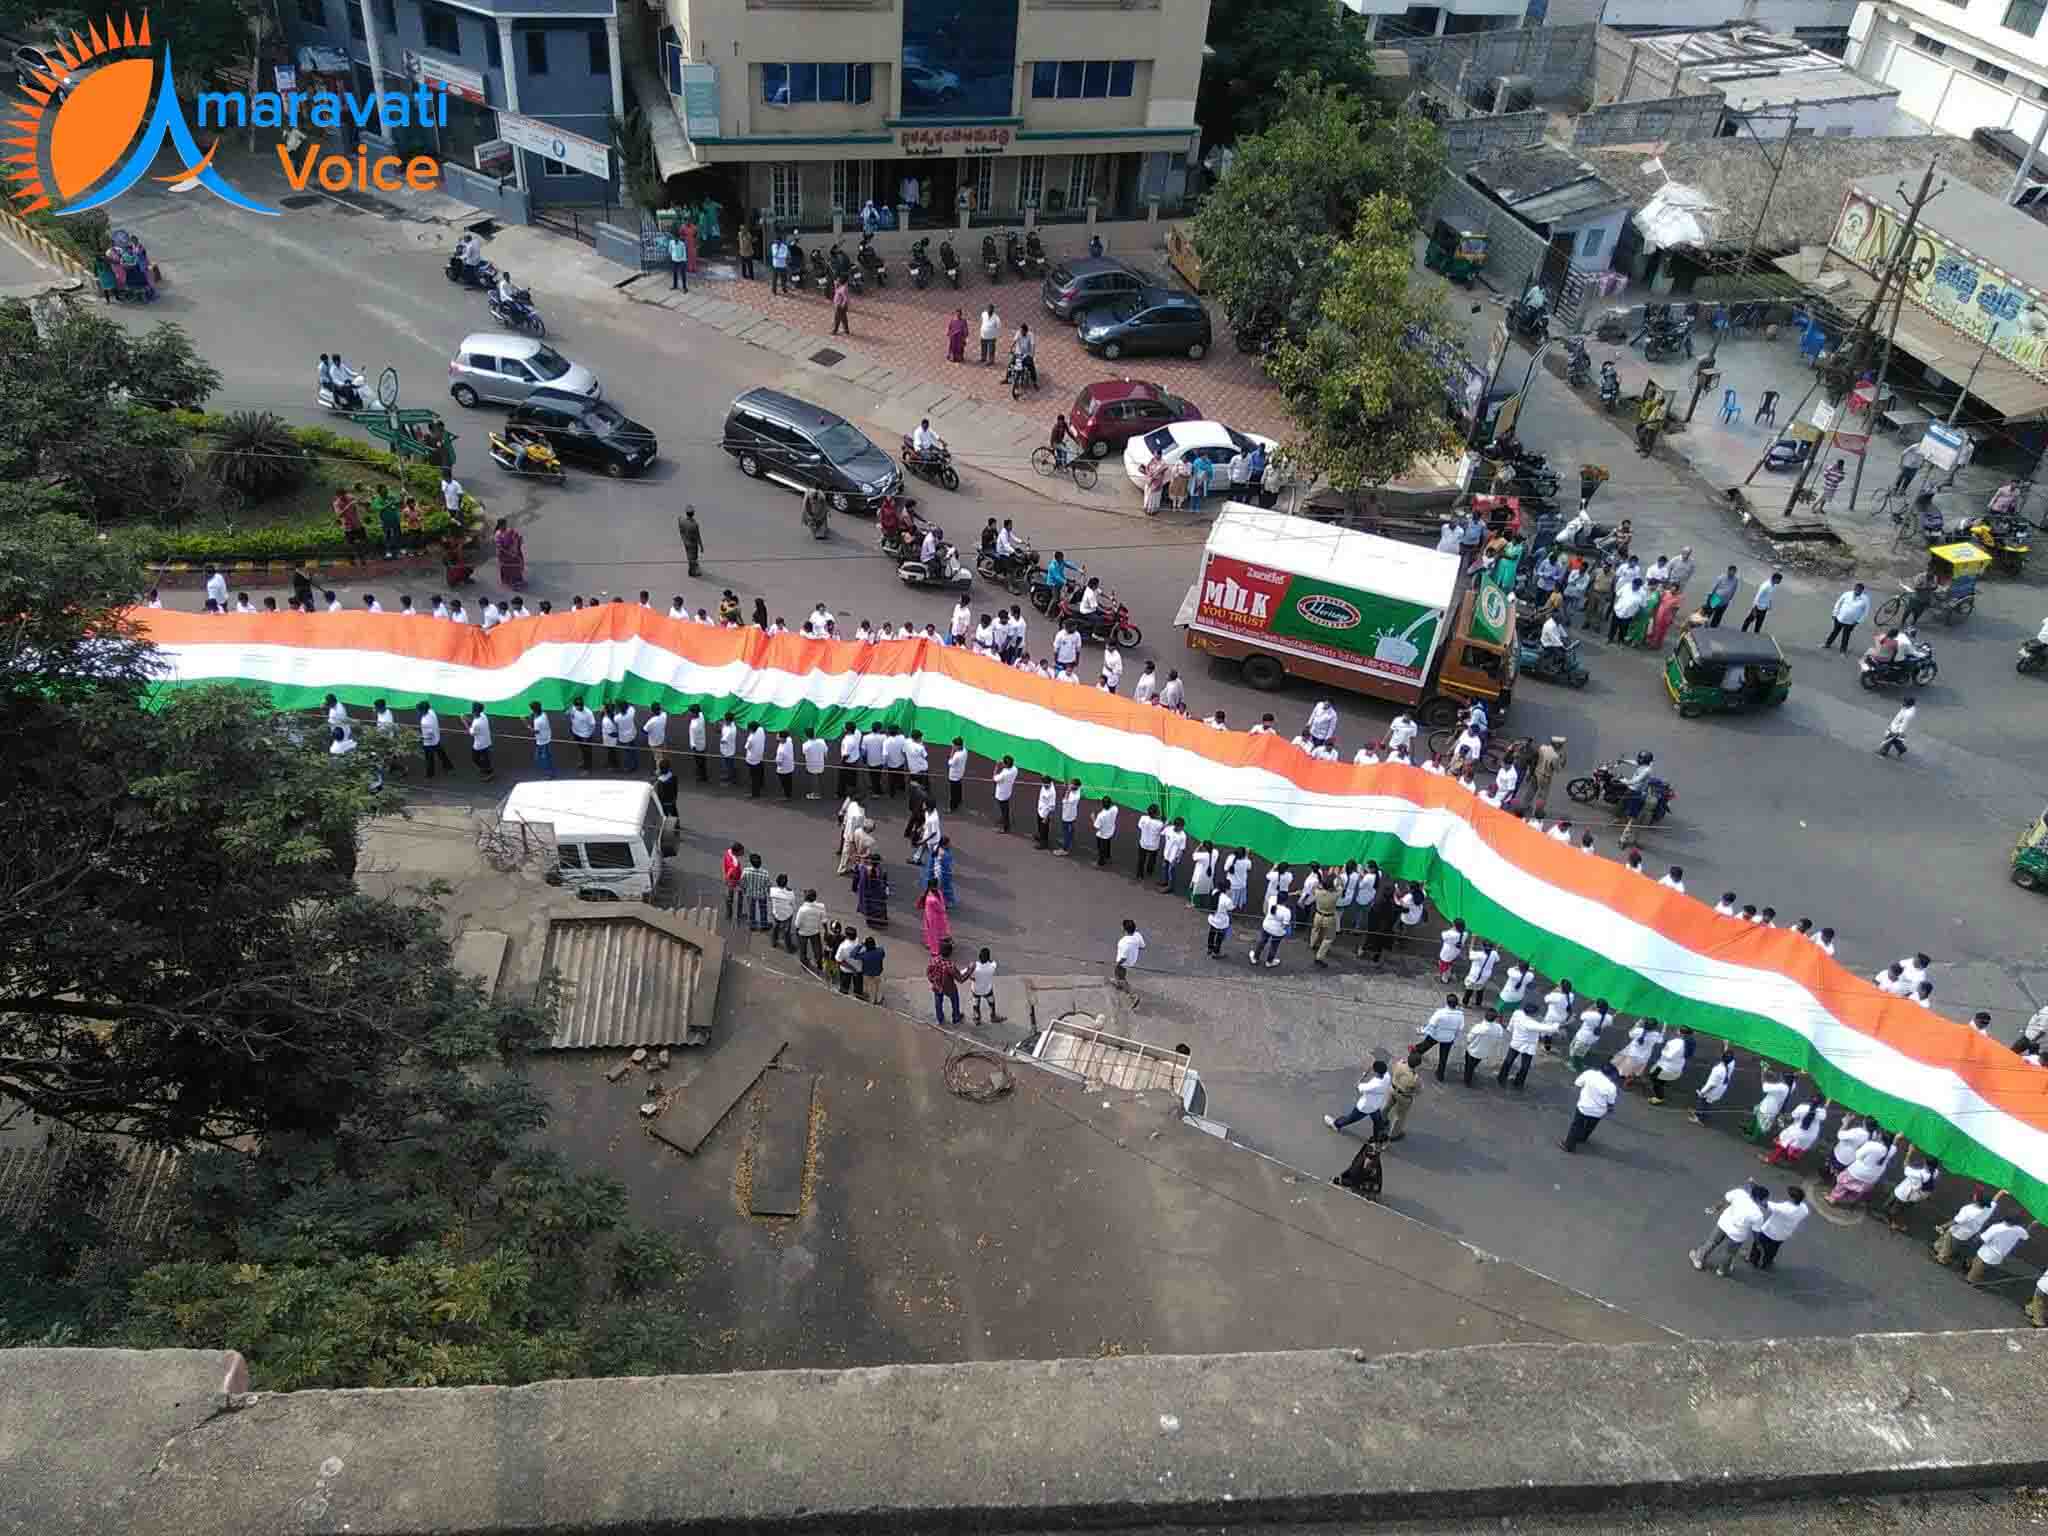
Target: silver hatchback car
(492, 365)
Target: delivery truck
(1287, 597)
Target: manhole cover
(825, 357)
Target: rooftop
(1403, 571)
(1753, 67)
(581, 807)
(1978, 222)
(1734, 175)
(1543, 184)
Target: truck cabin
(1475, 667)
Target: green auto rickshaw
(1457, 253)
(2030, 856)
(1713, 673)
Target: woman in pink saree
(937, 929)
(511, 555)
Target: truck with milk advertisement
(1290, 597)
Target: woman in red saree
(511, 555)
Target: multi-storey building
(1962, 65)
(990, 108)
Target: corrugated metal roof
(138, 1205)
(629, 982)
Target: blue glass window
(831, 82)
(803, 82)
(1045, 79)
(1083, 79)
(775, 84)
(1071, 73)
(959, 60)
(790, 85)
(1123, 76)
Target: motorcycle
(821, 271)
(482, 275)
(815, 515)
(945, 573)
(844, 271)
(1919, 670)
(1661, 342)
(329, 401)
(1579, 364)
(1042, 595)
(1531, 322)
(1016, 572)
(921, 263)
(1019, 377)
(2033, 657)
(1013, 253)
(871, 261)
(1034, 253)
(522, 454)
(1608, 785)
(935, 466)
(2003, 537)
(519, 314)
(1610, 387)
(949, 263)
(991, 261)
(1112, 621)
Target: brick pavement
(906, 330)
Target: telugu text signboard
(922, 143)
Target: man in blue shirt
(678, 260)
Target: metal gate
(567, 221)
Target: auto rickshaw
(1713, 673)
(2030, 856)
(2005, 538)
(1457, 253)
(1947, 588)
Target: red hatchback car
(1106, 415)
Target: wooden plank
(782, 1142)
(730, 1070)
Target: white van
(607, 833)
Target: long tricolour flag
(1963, 1097)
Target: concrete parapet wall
(162, 1445)
(1671, 119)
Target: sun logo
(87, 137)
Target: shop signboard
(452, 78)
(961, 139)
(557, 144)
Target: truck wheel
(1440, 711)
(1262, 673)
(1583, 790)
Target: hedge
(310, 538)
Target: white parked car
(1181, 439)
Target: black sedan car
(593, 434)
(1156, 320)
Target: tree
(1266, 231)
(1368, 402)
(94, 437)
(1254, 43)
(205, 33)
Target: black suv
(1085, 282)
(592, 433)
(805, 447)
(1156, 320)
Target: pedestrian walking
(1760, 604)
(1404, 1082)
(1173, 846)
(1483, 1042)
(1645, 1039)
(1048, 810)
(1741, 1218)
(809, 926)
(842, 298)
(1219, 923)
(430, 740)
(480, 742)
(1273, 929)
(1592, 1023)
(746, 250)
(1441, 1030)
(1525, 1033)
(754, 888)
(692, 535)
(981, 980)
(1479, 969)
(730, 868)
(655, 731)
(1151, 832)
(1005, 789)
(871, 957)
(1450, 947)
(1900, 723)
(945, 983)
(942, 866)
(936, 925)
(1105, 833)
(1764, 1117)
(542, 731)
(1781, 1219)
(1916, 1181)
(1831, 480)
(871, 887)
(1720, 596)
(1324, 915)
(1851, 608)
(1374, 1090)
(956, 337)
(1599, 1092)
(1070, 812)
(1715, 1088)
(1550, 757)
(1670, 1064)
(1129, 947)
(778, 265)
(583, 730)
(956, 776)
(1961, 1229)
(1994, 1246)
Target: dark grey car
(1154, 320)
(1085, 283)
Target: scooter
(936, 465)
(945, 573)
(1530, 322)
(482, 275)
(1667, 341)
(2033, 657)
(521, 453)
(1610, 386)
(845, 271)
(520, 314)
(1579, 367)
(1034, 253)
(991, 261)
(1013, 253)
(949, 263)
(822, 269)
(921, 263)
(329, 401)
(870, 259)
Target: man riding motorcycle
(1553, 643)
(508, 297)
(1637, 785)
(1090, 603)
(470, 252)
(926, 444)
(339, 377)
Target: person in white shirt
(813, 750)
(457, 614)
(1441, 1030)
(1776, 1090)
(1592, 1022)
(1105, 833)
(1895, 731)
(962, 622)
(340, 743)
(1401, 732)
(1322, 721)
(1146, 689)
(1173, 844)
(1366, 757)
(1374, 1089)
(1005, 788)
(1450, 947)
(1915, 1182)
(1219, 921)
(1173, 694)
(627, 723)
(956, 774)
(1112, 667)
(756, 754)
(782, 914)
(981, 977)
(1070, 812)
(1961, 1229)
(1048, 808)
(1995, 1244)
(1479, 969)
(1128, 948)
(785, 765)
(1715, 1088)
(1482, 1043)
(216, 587)
(1742, 1216)
(1851, 608)
(1273, 928)
(1673, 879)
(1799, 1134)
(1525, 1033)
(1151, 832)
(1670, 1064)
(1598, 1094)
(1781, 1219)
(480, 742)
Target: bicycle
(1441, 742)
(1048, 463)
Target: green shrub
(84, 235)
(255, 454)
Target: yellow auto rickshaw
(1457, 253)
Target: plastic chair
(1767, 409)
(1731, 408)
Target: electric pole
(1853, 356)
